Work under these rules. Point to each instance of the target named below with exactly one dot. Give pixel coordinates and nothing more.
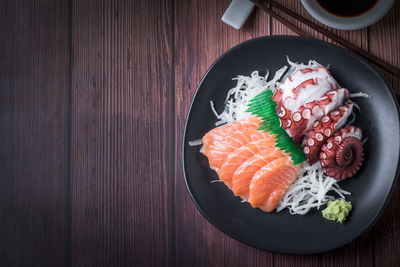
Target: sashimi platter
(290, 142)
(287, 144)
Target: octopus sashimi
(323, 129)
(306, 96)
(304, 86)
(298, 123)
(311, 109)
(342, 155)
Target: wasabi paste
(337, 210)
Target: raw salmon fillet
(218, 151)
(240, 155)
(225, 130)
(242, 177)
(270, 182)
(249, 163)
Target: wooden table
(93, 99)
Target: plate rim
(270, 249)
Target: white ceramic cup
(347, 23)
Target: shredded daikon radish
(195, 142)
(246, 88)
(297, 66)
(353, 119)
(360, 94)
(355, 105)
(310, 190)
(365, 140)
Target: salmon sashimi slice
(249, 162)
(240, 155)
(226, 130)
(270, 182)
(244, 173)
(218, 152)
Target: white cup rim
(347, 23)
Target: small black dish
(371, 187)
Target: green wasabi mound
(337, 210)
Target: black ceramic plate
(282, 232)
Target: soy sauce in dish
(347, 8)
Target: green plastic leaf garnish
(264, 107)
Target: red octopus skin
(324, 129)
(342, 155)
(296, 90)
(298, 123)
(310, 107)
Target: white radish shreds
(246, 88)
(310, 190)
(364, 141)
(360, 94)
(352, 120)
(196, 142)
(297, 66)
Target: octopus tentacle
(302, 120)
(305, 96)
(324, 129)
(341, 157)
(311, 109)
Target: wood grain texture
(93, 100)
(34, 79)
(200, 38)
(122, 118)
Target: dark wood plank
(122, 134)
(34, 79)
(135, 66)
(201, 37)
(385, 43)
